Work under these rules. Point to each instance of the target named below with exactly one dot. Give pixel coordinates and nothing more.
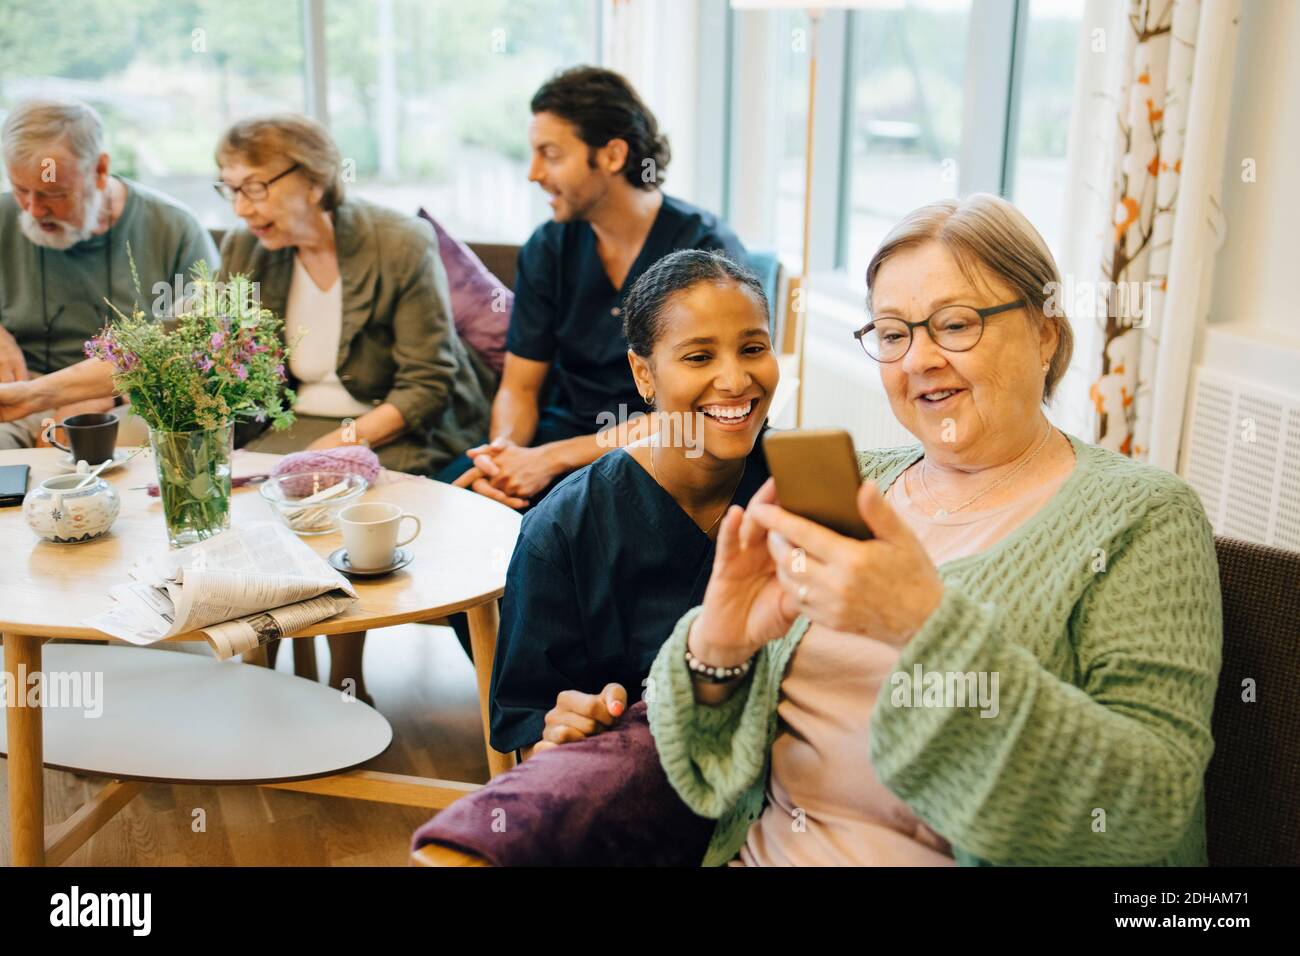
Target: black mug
(93, 436)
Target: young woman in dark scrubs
(619, 550)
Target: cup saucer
(339, 561)
(120, 457)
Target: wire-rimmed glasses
(253, 190)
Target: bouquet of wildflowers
(221, 358)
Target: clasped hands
(509, 473)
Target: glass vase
(193, 481)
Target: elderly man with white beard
(68, 234)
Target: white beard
(67, 235)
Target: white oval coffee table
(164, 717)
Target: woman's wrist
(709, 655)
(711, 674)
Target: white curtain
(1146, 162)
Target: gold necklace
(944, 512)
(725, 507)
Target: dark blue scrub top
(603, 569)
(568, 313)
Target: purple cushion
(603, 801)
(480, 304)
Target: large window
(905, 128)
(167, 76)
(428, 99)
(1051, 49)
(916, 100)
(791, 50)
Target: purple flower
(218, 340)
(279, 370)
(241, 371)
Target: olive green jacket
(398, 343)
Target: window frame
(316, 60)
(995, 54)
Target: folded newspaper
(242, 588)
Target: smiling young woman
(619, 549)
(720, 369)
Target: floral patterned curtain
(1159, 50)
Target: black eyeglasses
(954, 328)
(253, 190)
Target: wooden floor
(420, 680)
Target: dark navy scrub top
(568, 313)
(604, 567)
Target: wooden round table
(48, 590)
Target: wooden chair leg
(304, 658)
(483, 621)
(25, 763)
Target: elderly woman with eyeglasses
(363, 293)
(1019, 668)
(364, 298)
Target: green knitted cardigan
(1101, 615)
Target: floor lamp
(814, 9)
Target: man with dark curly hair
(598, 152)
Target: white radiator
(1241, 452)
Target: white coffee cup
(370, 533)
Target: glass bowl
(309, 502)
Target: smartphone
(816, 472)
(13, 484)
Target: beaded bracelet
(715, 675)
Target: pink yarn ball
(350, 459)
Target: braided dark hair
(677, 272)
(604, 106)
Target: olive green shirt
(53, 300)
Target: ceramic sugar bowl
(60, 511)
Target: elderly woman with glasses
(363, 293)
(1020, 666)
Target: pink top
(825, 804)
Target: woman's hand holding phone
(745, 606)
(885, 587)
